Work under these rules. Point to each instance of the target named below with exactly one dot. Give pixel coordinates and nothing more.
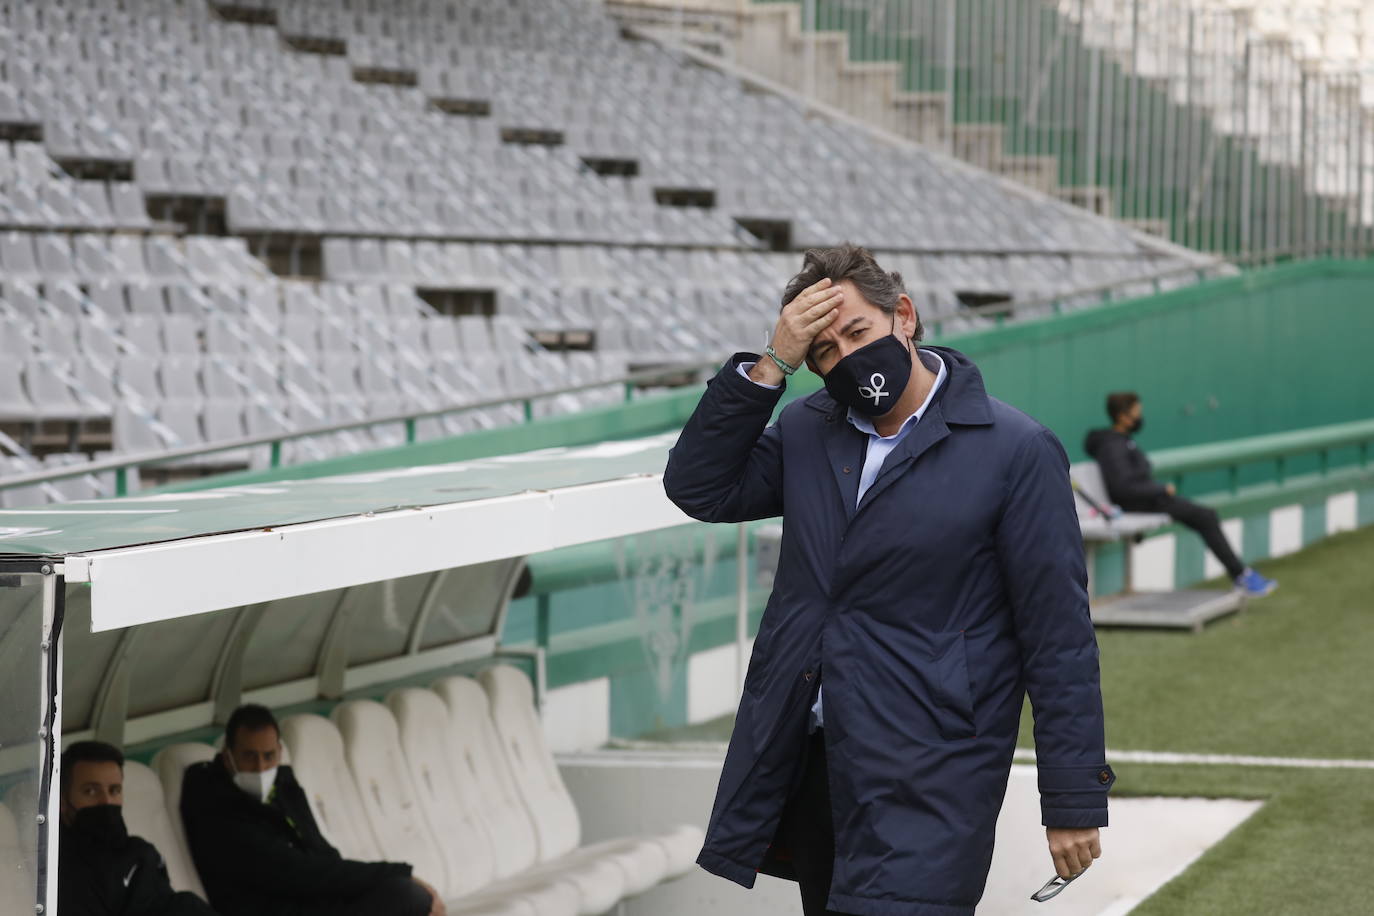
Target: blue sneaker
(1254, 585)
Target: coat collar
(962, 400)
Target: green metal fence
(1188, 121)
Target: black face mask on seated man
(1138, 425)
(872, 378)
(101, 824)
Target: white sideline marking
(1024, 755)
(1240, 760)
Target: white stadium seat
(388, 796)
(147, 816)
(323, 772)
(393, 808)
(646, 860)
(170, 765)
(451, 798)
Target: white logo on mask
(876, 392)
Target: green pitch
(1292, 676)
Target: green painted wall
(1267, 351)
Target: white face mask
(259, 785)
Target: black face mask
(872, 378)
(101, 824)
(1137, 426)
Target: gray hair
(857, 265)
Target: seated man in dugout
(1132, 486)
(103, 869)
(257, 846)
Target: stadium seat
(393, 807)
(147, 815)
(170, 765)
(645, 860)
(388, 795)
(1090, 488)
(446, 775)
(322, 770)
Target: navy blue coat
(930, 610)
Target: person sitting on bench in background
(257, 846)
(1131, 485)
(102, 869)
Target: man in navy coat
(931, 574)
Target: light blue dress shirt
(879, 447)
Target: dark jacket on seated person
(1126, 471)
(118, 875)
(270, 859)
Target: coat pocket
(954, 689)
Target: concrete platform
(1187, 609)
(1150, 841)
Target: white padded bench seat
(556, 826)
(446, 771)
(147, 815)
(649, 859)
(171, 762)
(396, 811)
(323, 773)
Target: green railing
(120, 465)
(1276, 449)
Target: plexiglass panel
(467, 602)
(174, 662)
(286, 643)
(86, 658)
(21, 700)
(382, 614)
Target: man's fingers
(807, 301)
(817, 324)
(1085, 857)
(1061, 866)
(1096, 848)
(820, 308)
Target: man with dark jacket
(257, 846)
(931, 575)
(1131, 485)
(102, 869)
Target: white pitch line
(1171, 757)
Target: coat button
(1104, 777)
(846, 469)
(808, 675)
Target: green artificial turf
(1292, 676)
(1289, 676)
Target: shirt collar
(864, 425)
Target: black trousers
(808, 832)
(1205, 521)
(394, 897)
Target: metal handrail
(120, 464)
(1104, 291)
(1174, 463)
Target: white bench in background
(1178, 609)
